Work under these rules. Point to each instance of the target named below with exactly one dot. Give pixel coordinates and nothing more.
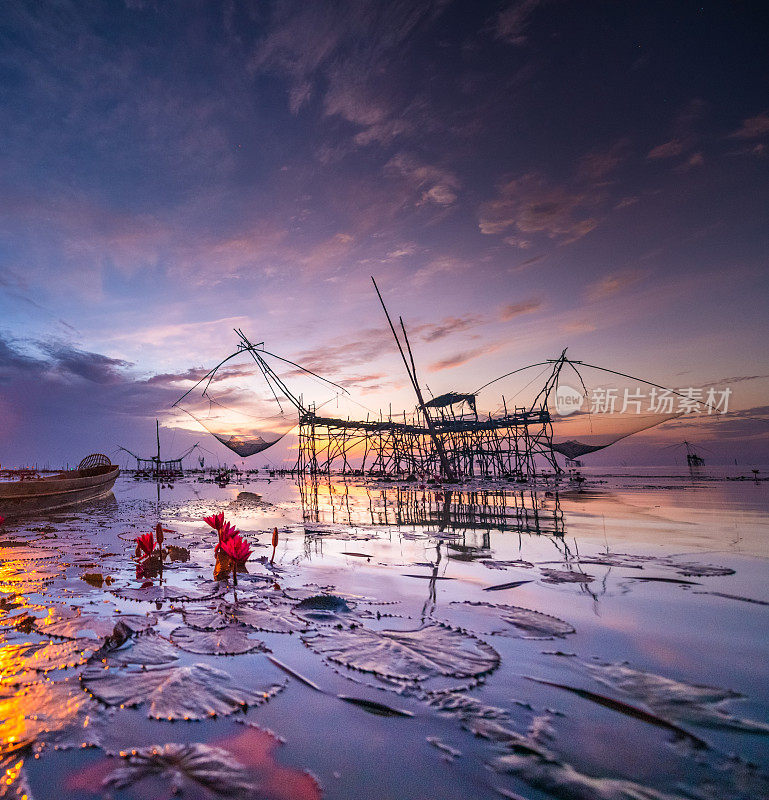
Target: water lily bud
(159, 534)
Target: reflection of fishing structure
(521, 511)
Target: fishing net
(242, 433)
(246, 403)
(590, 407)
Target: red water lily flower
(145, 544)
(2, 520)
(237, 548)
(215, 520)
(226, 532)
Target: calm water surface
(626, 658)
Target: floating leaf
(149, 650)
(137, 624)
(267, 619)
(44, 656)
(624, 708)
(325, 609)
(49, 712)
(229, 641)
(430, 651)
(27, 554)
(13, 779)
(737, 597)
(189, 692)
(504, 620)
(565, 576)
(500, 586)
(703, 570)
(205, 619)
(438, 743)
(159, 594)
(373, 707)
(496, 564)
(72, 624)
(541, 770)
(324, 602)
(200, 765)
(96, 579)
(675, 700)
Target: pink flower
(145, 544)
(215, 520)
(2, 520)
(226, 532)
(237, 548)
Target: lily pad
(14, 779)
(324, 609)
(565, 576)
(229, 641)
(675, 700)
(189, 692)
(185, 766)
(503, 620)
(58, 713)
(44, 656)
(209, 619)
(159, 594)
(149, 650)
(72, 624)
(541, 770)
(267, 619)
(431, 651)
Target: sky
(520, 177)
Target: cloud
(684, 132)
(666, 150)
(434, 184)
(695, 160)
(458, 359)
(530, 204)
(341, 353)
(753, 127)
(516, 241)
(612, 284)
(403, 250)
(626, 202)
(513, 21)
(599, 164)
(317, 46)
(514, 310)
(448, 326)
(93, 367)
(438, 266)
(529, 262)
(58, 358)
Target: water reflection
(444, 510)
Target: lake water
(609, 642)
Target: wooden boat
(94, 478)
